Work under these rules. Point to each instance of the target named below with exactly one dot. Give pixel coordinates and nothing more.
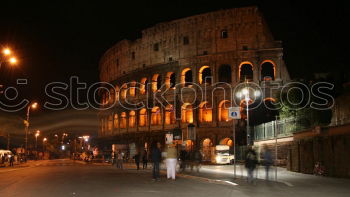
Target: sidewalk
(18, 166)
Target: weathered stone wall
(329, 149)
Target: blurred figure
(171, 160)
(183, 158)
(267, 156)
(144, 159)
(197, 160)
(11, 160)
(137, 160)
(156, 158)
(120, 160)
(250, 163)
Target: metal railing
(283, 128)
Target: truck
(222, 155)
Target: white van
(3, 152)
(222, 155)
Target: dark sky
(57, 40)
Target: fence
(284, 128)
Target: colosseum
(155, 84)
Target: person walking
(144, 159)
(171, 160)
(120, 160)
(183, 158)
(137, 160)
(156, 158)
(267, 156)
(11, 160)
(250, 163)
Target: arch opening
(156, 117)
(205, 112)
(186, 113)
(267, 71)
(205, 75)
(246, 71)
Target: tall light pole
(32, 106)
(246, 93)
(36, 142)
(44, 144)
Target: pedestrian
(197, 160)
(171, 160)
(120, 160)
(137, 160)
(156, 158)
(183, 158)
(267, 156)
(11, 160)
(250, 163)
(144, 159)
(114, 158)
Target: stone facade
(227, 46)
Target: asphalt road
(66, 178)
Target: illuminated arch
(132, 89)
(206, 149)
(156, 82)
(123, 91)
(169, 115)
(268, 70)
(116, 121)
(245, 72)
(204, 73)
(226, 141)
(187, 113)
(243, 107)
(143, 85)
(186, 77)
(110, 123)
(156, 116)
(223, 108)
(116, 93)
(270, 99)
(112, 95)
(170, 80)
(143, 117)
(205, 112)
(132, 119)
(123, 120)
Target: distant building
(227, 46)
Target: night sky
(55, 41)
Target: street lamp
(6, 53)
(44, 143)
(245, 93)
(26, 122)
(36, 142)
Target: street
(69, 178)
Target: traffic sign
(234, 113)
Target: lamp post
(36, 142)
(245, 92)
(32, 106)
(44, 143)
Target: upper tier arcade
(238, 33)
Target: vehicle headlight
(218, 158)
